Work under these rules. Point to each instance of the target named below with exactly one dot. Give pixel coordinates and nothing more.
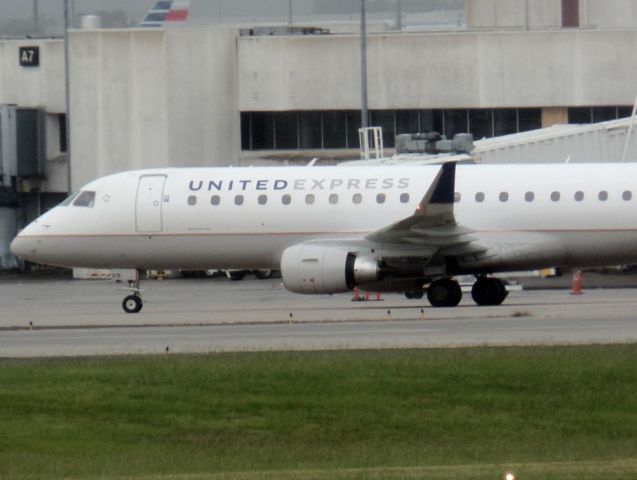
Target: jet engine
(317, 268)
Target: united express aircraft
(331, 229)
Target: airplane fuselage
(527, 216)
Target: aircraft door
(148, 204)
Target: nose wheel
(133, 303)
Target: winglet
(445, 188)
(434, 210)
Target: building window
(339, 129)
(286, 131)
(529, 119)
(570, 13)
(481, 123)
(62, 130)
(334, 130)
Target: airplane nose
(18, 247)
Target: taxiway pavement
(63, 317)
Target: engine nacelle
(316, 268)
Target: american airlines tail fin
(166, 12)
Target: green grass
(547, 413)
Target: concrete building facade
(213, 96)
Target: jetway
(611, 141)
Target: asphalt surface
(64, 317)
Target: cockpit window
(85, 199)
(67, 201)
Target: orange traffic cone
(357, 295)
(576, 288)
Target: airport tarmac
(60, 317)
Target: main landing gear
(446, 292)
(488, 291)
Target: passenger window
(603, 196)
(262, 200)
(404, 197)
(380, 198)
(579, 196)
(457, 197)
(357, 198)
(85, 199)
(67, 201)
(309, 199)
(627, 196)
(529, 196)
(238, 200)
(192, 200)
(215, 200)
(333, 198)
(286, 199)
(555, 196)
(504, 196)
(480, 197)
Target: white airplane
(330, 229)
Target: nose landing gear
(132, 303)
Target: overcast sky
(51, 11)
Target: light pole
(67, 89)
(364, 113)
(290, 12)
(399, 15)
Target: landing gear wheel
(236, 275)
(132, 304)
(444, 293)
(263, 274)
(414, 294)
(488, 291)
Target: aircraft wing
(433, 225)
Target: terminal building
(241, 95)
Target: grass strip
(548, 412)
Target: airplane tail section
(166, 12)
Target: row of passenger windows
(357, 198)
(555, 196)
(286, 199)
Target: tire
(488, 291)
(263, 274)
(236, 275)
(444, 293)
(132, 304)
(415, 294)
